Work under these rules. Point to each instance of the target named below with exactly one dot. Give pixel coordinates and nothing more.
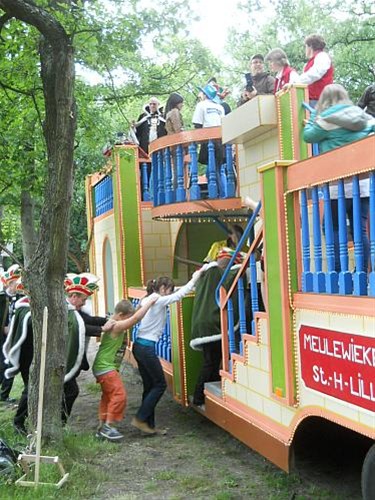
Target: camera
(249, 82)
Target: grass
(78, 454)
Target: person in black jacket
(150, 124)
(8, 298)
(82, 325)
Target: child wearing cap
(113, 402)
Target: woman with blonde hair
(279, 64)
(336, 121)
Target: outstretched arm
(125, 324)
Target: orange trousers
(114, 397)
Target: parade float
(309, 353)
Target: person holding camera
(258, 81)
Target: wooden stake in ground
(37, 458)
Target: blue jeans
(154, 384)
(364, 219)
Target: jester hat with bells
(84, 283)
(13, 273)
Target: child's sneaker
(110, 433)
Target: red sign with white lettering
(341, 365)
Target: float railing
(334, 196)
(192, 165)
(240, 300)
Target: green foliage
(347, 27)
(131, 51)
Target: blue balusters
(359, 276)
(223, 182)
(161, 192)
(231, 333)
(154, 178)
(318, 277)
(145, 184)
(253, 291)
(231, 178)
(241, 311)
(345, 276)
(332, 285)
(372, 235)
(211, 171)
(195, 190)
(103, 196)
(307, 275)
(169, 193)
(180, 191)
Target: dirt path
(198, 460)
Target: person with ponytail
(150, 329)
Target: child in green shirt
(113, 402)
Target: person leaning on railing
(335, 122)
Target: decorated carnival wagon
(310, 351)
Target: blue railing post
(211, 169)
(318, 277)
(145, 185)
(253, 291)
(241, 311)
(307, 275)
(169, 193)
(154, 177)
(372, 235)
(231, 333)
(231, 178)
(161, 193)
(345, 276)
(223, 182)
(359, 276)
(195, 190)
(180, 191)
(332, 285)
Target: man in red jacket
(318, 71)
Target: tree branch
(11, 254)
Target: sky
(215, 20)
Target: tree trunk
(29, 235)
(44, 275)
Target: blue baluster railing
(231, 331)
(318, 276)
(332, 284)
(169, 192)
(345, 276)
(359, 275)
(223, 182)
(103, 196)
(154, 177)
(231, 178)
(180, 191)
(195, 190)
(372, 235)
(161, 190)
(145, 182)
(241, 311)
(307, 275)
(240, 290)
(213, 188)
(253, 292)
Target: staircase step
(214, 388)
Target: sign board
(341, 365)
